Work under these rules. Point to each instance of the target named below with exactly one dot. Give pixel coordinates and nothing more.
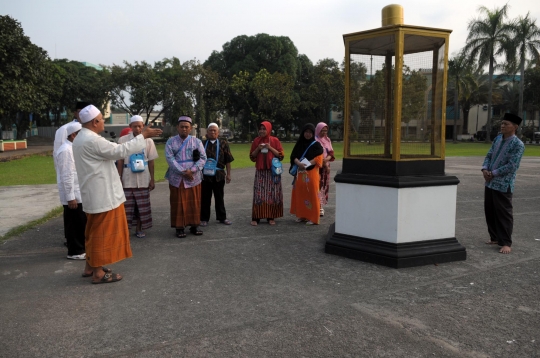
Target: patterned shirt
(225, 157)
(503, 161)
(181, 160)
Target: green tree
(526, 39)
(24, 76)
(489, 37)
(458, 67)
(327, 89)
(414, 96)
(275, 96)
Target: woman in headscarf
(304, 199)
(267, 192)
(321, 136)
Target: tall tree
(526, 38)
(458, 67)
(25, 76)
(489, 37)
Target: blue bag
(210, 166)
(137, 163)
(277, 169)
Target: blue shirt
(503, 161)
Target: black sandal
(180, 233)
(195, 231)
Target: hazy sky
(107, 32)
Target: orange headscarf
(260, 162)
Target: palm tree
(474, 91)
(458, 66)
(526, 38)
(488, 37)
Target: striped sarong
(107, 237)
(137, 206)
(267, 196)
(185, 206)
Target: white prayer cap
(88, 113)
(72, 128)
(213, 125)
(136, 119)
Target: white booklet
(306, 163)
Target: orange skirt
(107, 237)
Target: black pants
(499, 216)
(74, 226)
(207, 188)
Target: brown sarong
(107, 237)
(185, 206)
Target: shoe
(204, 223)
(140, 234)
(77, 257)
(322, 212)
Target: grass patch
(39, 169)
(56, 212)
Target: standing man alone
(107, 234)
(214, 180)
(499, 170)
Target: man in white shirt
(138, 181)
(70, 195)
(107, 234)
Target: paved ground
(243, 291)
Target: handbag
(137, 163)
(277, 169)
(210, 166)
(294, 168)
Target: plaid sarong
(185, 206)
(137, 206)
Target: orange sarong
(305, 194)
(107, 237)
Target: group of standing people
(113, 181)
(311, 157)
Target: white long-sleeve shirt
(101, 188)
(66, 174)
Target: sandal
(271, 222)
(204, 223)
(195, 231)
(225, 222)
(180, 233)
(140, 234)
(109, 277)
(105, 269)
(254, 223)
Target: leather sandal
(195, 231)
(180, 233)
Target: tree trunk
(521, 89)
(456, 110)
(490, 93)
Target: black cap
(512, 118)
(81, 105)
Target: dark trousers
(207, 188)
(499, 216)
(74, 226)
